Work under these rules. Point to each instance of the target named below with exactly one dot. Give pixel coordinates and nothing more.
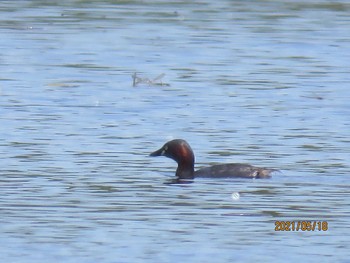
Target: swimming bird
(180, 151)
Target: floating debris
(151, 82)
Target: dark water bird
(180, 151)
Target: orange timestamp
(301, 225)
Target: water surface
(258, 82)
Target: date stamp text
(301, 225)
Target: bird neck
(185, 171)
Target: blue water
(265, 83)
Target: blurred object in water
(151, 82)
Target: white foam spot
(235, 196)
